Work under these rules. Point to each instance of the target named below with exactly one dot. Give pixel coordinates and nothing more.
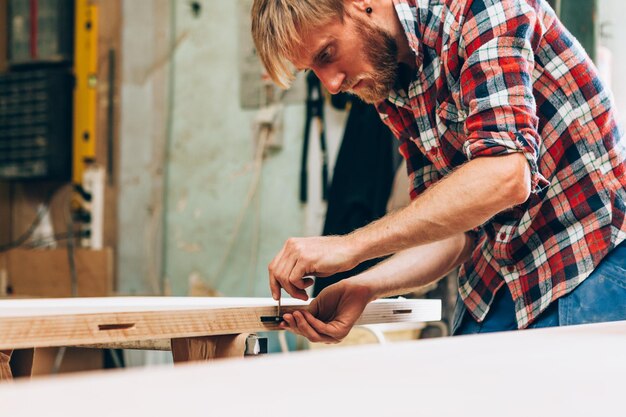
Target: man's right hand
(331, 314)
(300, 257)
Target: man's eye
(326, 56)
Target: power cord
(41, 212)
(70, 246)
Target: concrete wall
(211, 168)
(145, 58)
(195, 164)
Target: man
(514, 157)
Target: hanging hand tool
(314, 110)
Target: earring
(368, 10)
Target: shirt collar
(408, 15)
(407, 11)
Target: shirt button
(434, 151)
(510, 268)
(502, 236)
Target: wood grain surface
(5, 368)
(103, 321)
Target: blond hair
(277, 28)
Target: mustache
(347, 85)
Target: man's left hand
(331, 314)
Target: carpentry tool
(273, 319)
(314, 111)
(278, 317)
(86, 91)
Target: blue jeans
(599, 298)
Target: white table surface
(575, 371)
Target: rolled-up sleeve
(496, 83)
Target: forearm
(415, 267)
(460, 202)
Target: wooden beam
(42, 361)
(80, 321)
(5, 368)
(209, 347)
(72, 359)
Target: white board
(570, 372)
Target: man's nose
(331, 79)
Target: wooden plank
(73, 360)
(46, 273)
(208, 347)
(41, 361)
(79, 321)
(5, 368)
(573, 371)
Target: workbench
(573, 371)
(193, 328)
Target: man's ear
(358, 5)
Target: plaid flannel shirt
(495, 77)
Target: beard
(381, 50)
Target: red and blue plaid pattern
(501, 76)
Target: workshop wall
(145, 53)
(612, 36)
(211, 165)
(195, 164)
